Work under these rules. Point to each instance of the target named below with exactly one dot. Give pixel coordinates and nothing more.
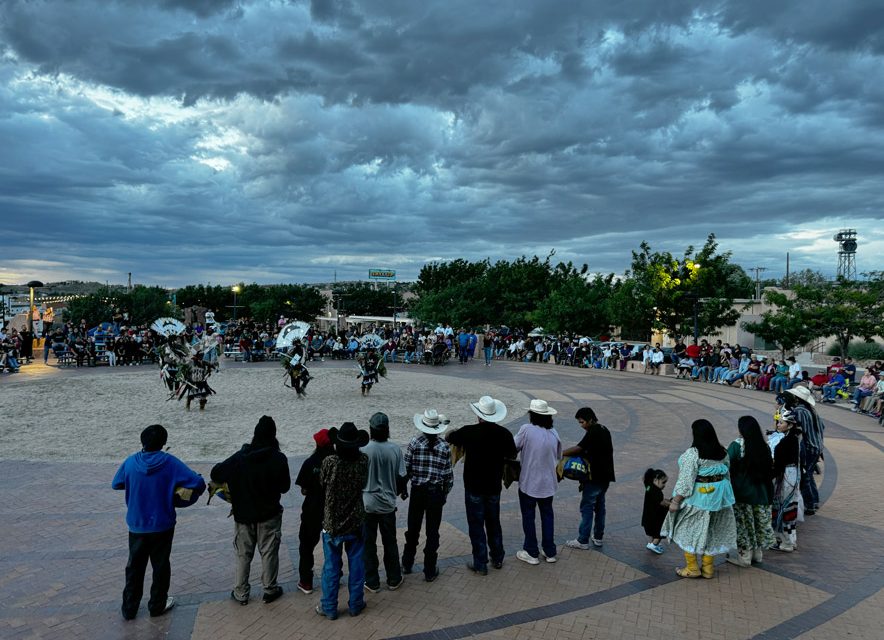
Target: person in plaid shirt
(428, 465)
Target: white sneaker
(549, 559)
(656, 548)
(576, 544)
(596, 542)
(524, 556)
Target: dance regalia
(370, 367)
(173, 355)
(293, 362)
(194, 378)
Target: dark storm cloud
(196, 140)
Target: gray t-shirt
(385, 464)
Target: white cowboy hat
(431, 422)
(489, 409)
(542, 408)
(803, 393)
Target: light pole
(235, 289)
(33, 284)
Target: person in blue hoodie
(150, 479)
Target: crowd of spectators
(716, 362)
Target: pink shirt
(539, 451)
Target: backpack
(576, 468)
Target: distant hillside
(68, 287)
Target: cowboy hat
(489, 409)
(431, 422)
(542, 408)
(348, 436)
(802, 393)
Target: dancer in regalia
(370, 367)
(194, 383)
(293, 362)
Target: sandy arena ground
(97, 415)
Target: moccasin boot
(691, 570)
(708, 567)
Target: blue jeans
(717, 373)
(390, 356)
(592, 503)
(778, 384)
(547, 525)
(334, 548)
(830, 391)
(483, 519)
(488, 354)
(408, 356)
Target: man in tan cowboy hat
(802, 403)
(486, 446)
(428, 465)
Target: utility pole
(758, 271)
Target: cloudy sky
(283, 140)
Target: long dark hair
(706, 441)
(756, 459)
(651, 475)
(540, 419)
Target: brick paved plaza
(63, 541)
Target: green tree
(579, 304)
(94, 309)
(843, 309)
(665, 291)
(146, 304)
(215, 298)
(453, 292)
(786, 326)
(803, 278)
(362, 298)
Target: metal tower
(846, 239)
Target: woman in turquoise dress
(701, 515)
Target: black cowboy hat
(348, 436)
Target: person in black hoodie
(310, 532)
(256, 476)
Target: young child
(656, 507)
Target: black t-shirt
(486, 445)
(653, 513)
(308, 480)
(599, 453)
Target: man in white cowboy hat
(428, 465)
(386, 480)
(342, 476)
(486, 446)
(802, 403)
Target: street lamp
(236, 289)
(33, 284)
(696, 298)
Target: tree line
(671, 293)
